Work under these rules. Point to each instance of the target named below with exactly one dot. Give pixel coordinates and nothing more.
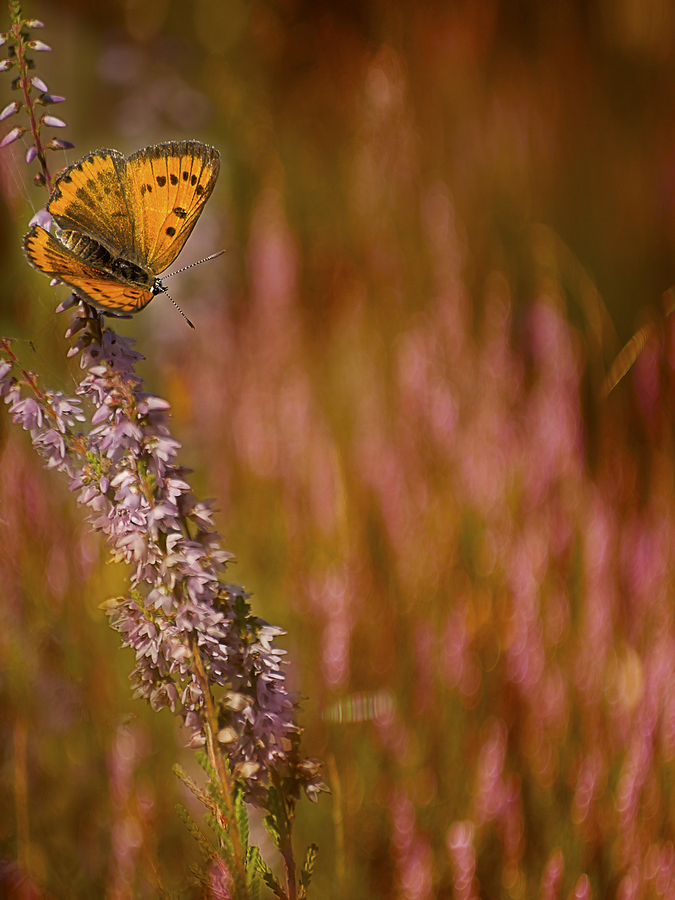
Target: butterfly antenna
(170, 274)
(164, 291)
(198, 263)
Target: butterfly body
(120, 222)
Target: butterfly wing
(168, 185)
(93, 285)
(92, 197)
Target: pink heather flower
(633, 778)
(582, 889)
(221, 884)
(659, 867)
(53, 122)
(629, 887)
(551, 878)
(130, 819)
(462, 852)
(38, 46)
(589, 785)
(12, 136)
(510, 822)
(458, 659)
(411, 849)
(489, 792)
(10, 110)
(41, 218)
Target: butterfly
(121, 222)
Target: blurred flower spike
(34, 91)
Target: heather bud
(56, 144)
(68, 303)
(53, 122)
(41, 218)
(12, 136)
(10, 110)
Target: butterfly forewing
(90, 283)
(170, 185)
(92, 196)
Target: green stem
(226, 784)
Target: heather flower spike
(199, 650)
(19, 46)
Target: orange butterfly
(120, 222)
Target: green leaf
(204, 845)
(241, 814)
(185, 778)
(307, 870)
(278, 817)
(227, 848)
(270, 878)
(253, 859)
(203, 761)
(271, 828)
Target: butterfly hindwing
(93, 285)
(170, 184)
